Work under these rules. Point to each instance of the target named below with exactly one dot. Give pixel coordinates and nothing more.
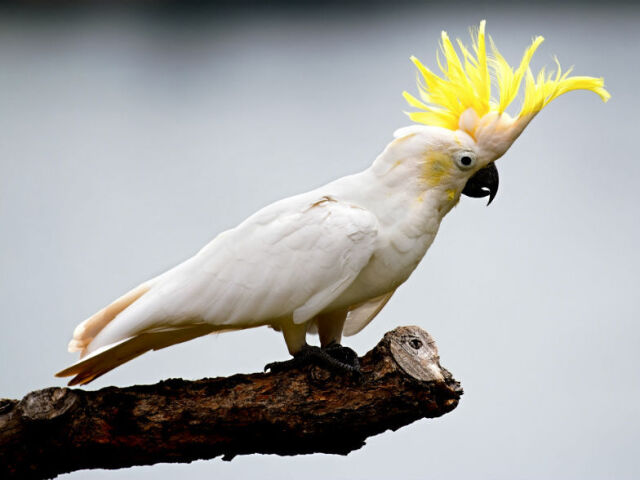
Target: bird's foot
(334, 357)
(344, 355)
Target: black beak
(484, 182)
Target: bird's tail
(84, 333)
(99, 362)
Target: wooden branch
(307, 410)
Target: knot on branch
(47, 404)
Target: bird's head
(467, 126)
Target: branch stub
(415, 352)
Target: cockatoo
(328, 260)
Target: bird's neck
(402, 204)
(396, 188)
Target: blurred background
(130, 136)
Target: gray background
(129, 139)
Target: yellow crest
(467, 84)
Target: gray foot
(334, 357)
(345, 355)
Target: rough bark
(303, 410)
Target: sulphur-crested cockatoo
(328, 260)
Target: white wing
(360, 316)
(291, 259)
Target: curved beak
(483, 183)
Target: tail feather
(110, 356)
(84, 333)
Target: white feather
(269, 267)
(344, 246)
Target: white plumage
(312, 261)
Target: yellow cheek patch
(451, 194)
(437, 166)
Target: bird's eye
(465, 160)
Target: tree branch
(307, 410)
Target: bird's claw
(344, 355)
(334, 357)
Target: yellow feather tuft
(467, 84)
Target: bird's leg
(330, 327)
